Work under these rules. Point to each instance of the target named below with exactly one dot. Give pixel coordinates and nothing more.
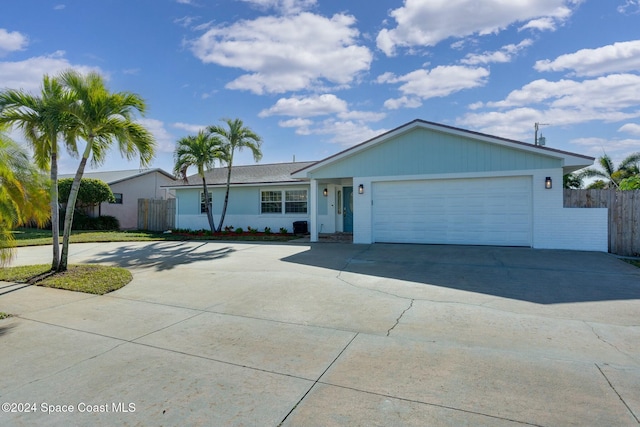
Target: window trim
(201, 203)
(283, 201)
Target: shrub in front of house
(82, 221)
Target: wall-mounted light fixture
(360, 189)
(548, 183)
(325, 192)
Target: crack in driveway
(593, 329)
(400, 317)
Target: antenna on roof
(542, 140)
(294, 158)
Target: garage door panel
(490, 211)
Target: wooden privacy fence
(156, 214)
(624, 215)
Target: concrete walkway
(230, 334)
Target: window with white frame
(295, 201)
(283, 201)
(271, 202)
(202, 205)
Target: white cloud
(165, 141)
(428, 22)
(349, 123)
(362, 116)
(27, 74)
(630, 7)
(631, 128)
(542, 24)
(284, 6)
(402, 102)
(11, 41)
(346, 132)
(609, 93)
(302, 125)
(186, 21)
(615, 58)
(286, 53)
(516, 123)
(566, 102)
(191, 128)
(293, 123)
(504, 54)
(59, 6)
(306, 107)
(617, 149)
(437, 82)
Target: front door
(347, 210)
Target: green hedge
(84, 222)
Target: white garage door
(479, 211)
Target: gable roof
(273, 173)
(114, 177)
(571, 161)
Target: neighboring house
(422, 182)
(262, 195)
(128, 186)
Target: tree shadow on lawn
(161, 255)
(533, 275)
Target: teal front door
(347, 211)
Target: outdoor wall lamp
(325, 192)
(548, 183)
(360, 189)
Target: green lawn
(633, 262)
(91, 279)
(36, 237)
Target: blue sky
(313, 77)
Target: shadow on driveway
(161, 255)
(533, 275)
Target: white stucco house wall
(128, 186)
(422, 182)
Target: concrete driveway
(329, 334)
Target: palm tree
(100, 117)
(571, 180)
(235, 137)
(23, 194)
(610, 175)
(42, 120)
(200, 151)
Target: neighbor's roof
(273, 173)
(113, 177)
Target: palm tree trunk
(207, 208)
(226, 199)
(71, 204)
(55, 210)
